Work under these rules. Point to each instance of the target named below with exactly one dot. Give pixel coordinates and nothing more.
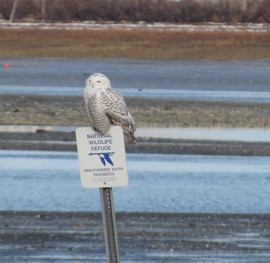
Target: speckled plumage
(104, 107)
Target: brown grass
(140, 44)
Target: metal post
(13, 11)
(109, 225)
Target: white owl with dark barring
(104, 107)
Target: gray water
(33, 180)
(242, 80)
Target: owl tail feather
(129, 139)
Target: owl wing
(117, 111)
(114, 106)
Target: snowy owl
(104, 107)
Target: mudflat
(41, 110)
(30, 109)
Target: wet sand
(143, 237)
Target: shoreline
(142, 25)
(65, 141)
(42, 110)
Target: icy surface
(164, 183)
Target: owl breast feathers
(104, 107)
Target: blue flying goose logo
(104, 157)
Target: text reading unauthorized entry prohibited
(102, 158)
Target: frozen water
(165, 183)
(241, 80)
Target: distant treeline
(184, 11)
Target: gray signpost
(102, 160)
(109, 225)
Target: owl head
(98, 81)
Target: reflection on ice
(222, 134)
(166, 183)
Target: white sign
(102, 158)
